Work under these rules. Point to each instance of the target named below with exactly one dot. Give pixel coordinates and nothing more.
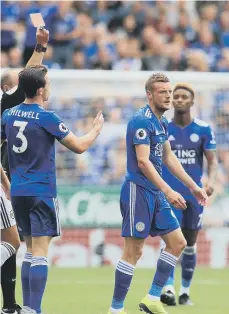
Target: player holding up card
(31, 132)
(13, 95)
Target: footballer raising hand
(99, 121)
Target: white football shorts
(7, 213)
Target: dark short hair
(155, 78)
(185, 86)
(32, 78)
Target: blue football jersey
(31, 132)
(189, 144)
(145, 128)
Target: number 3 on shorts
(21, 125)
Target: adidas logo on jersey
(148, 114)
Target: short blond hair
(186, 86)
(155, 78)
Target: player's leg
(188, 265)
(38, 271)
(175, 243)
(45, 224)
(25, 272)
(134, 205)
(10, 238)
(124, 272)
(192, 223)
(166, 225)
(9, 246)
(10, 241)
(21, 211)
(168, 297)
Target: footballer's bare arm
(80, 144)
(212, 170)
(42, 36)
(147, 168)
(175, 167)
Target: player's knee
(40, 246)
(182, 244)
(138, 253)
(132, 255)
(15, 243)
(40, 250)
(179, 246)
(11, 236)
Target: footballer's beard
(162, 109)
(180, 111)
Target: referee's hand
(42, 36)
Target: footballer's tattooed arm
(212, 170)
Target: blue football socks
(188, 265)
(123, 276)
(165, 266)
(25, 273)
(38, 279)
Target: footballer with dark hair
(31, 132)
(191, 139)
(13, 95)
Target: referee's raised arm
(42, 36)
(13, 94)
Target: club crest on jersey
(140, 226)
(63, 127)
(141, 134)
(194, 137)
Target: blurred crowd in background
(120, 35)
(123, 35)
(105, 162)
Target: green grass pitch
(89, 291)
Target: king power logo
(186, 156)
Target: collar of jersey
(182, 127)
(28, 105)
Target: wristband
(40, 48)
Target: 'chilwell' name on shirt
(24, 114)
